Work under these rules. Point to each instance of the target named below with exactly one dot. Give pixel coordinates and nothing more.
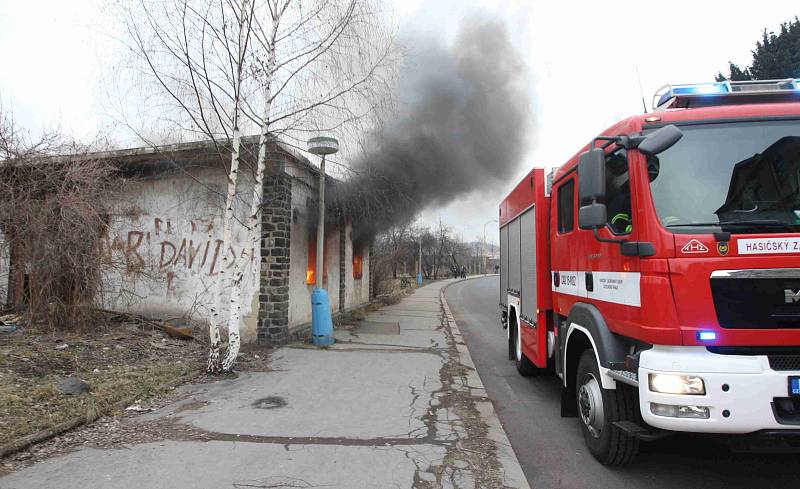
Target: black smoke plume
(461, 128)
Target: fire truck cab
(657, 272)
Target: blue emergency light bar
(701, 89)
(675, 96)
(706, 335)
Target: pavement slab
(398, 406)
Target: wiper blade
(754, 222)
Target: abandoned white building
(166, 233)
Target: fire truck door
(608, 276)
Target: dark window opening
(618, 193)
(566, 207)
(358, 265)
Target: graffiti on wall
(171, 250)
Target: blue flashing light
(701, 89)
(706, 335)
(716, 88)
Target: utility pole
(321, 320)
(321, 226)
(419, 265)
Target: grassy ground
(119, 361)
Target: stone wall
(276, 229)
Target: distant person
(463, 272)
(497, 269)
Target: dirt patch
(120, 360)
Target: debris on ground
(138, 408)
(181, 333)
(9, 323)
(127, 359)
(72, 386)
(97, 368)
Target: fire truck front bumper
(691, 389)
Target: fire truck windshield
(742, 177)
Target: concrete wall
(304, 192)
(356, 290)
(166, 246)
(299, 291)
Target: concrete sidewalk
(395, 403)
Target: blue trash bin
(321, 322)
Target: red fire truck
(657, 272)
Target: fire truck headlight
(677, 384)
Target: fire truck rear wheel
(599, 408)
(525, 367)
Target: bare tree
(442, 251)
(53, 215)
(282, 67)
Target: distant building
(166, 231)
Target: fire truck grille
(781, 358)
(756, 303)
(784, 362)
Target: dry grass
(124, 362)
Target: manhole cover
(271, 402)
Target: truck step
(640, 432)
(624, 376)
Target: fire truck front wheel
(598, 409)
(525, 367)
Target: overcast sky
(581, 59)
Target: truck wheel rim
(590, 405)
(518, 342)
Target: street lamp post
(321, 321)
(483, 251)
(419, 265)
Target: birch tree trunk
(254, 217)
(321, 66)
(227, 224)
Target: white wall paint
(166, 243)
(164, 246)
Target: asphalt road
(551, 449)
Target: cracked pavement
(375, 410)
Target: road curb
(513, 475)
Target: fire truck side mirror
(660, 140)
(592, 216)
(591, 189)
(592, 176)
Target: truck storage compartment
(504, 266)
(524, 247)
(514, 257)
(528, 290)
